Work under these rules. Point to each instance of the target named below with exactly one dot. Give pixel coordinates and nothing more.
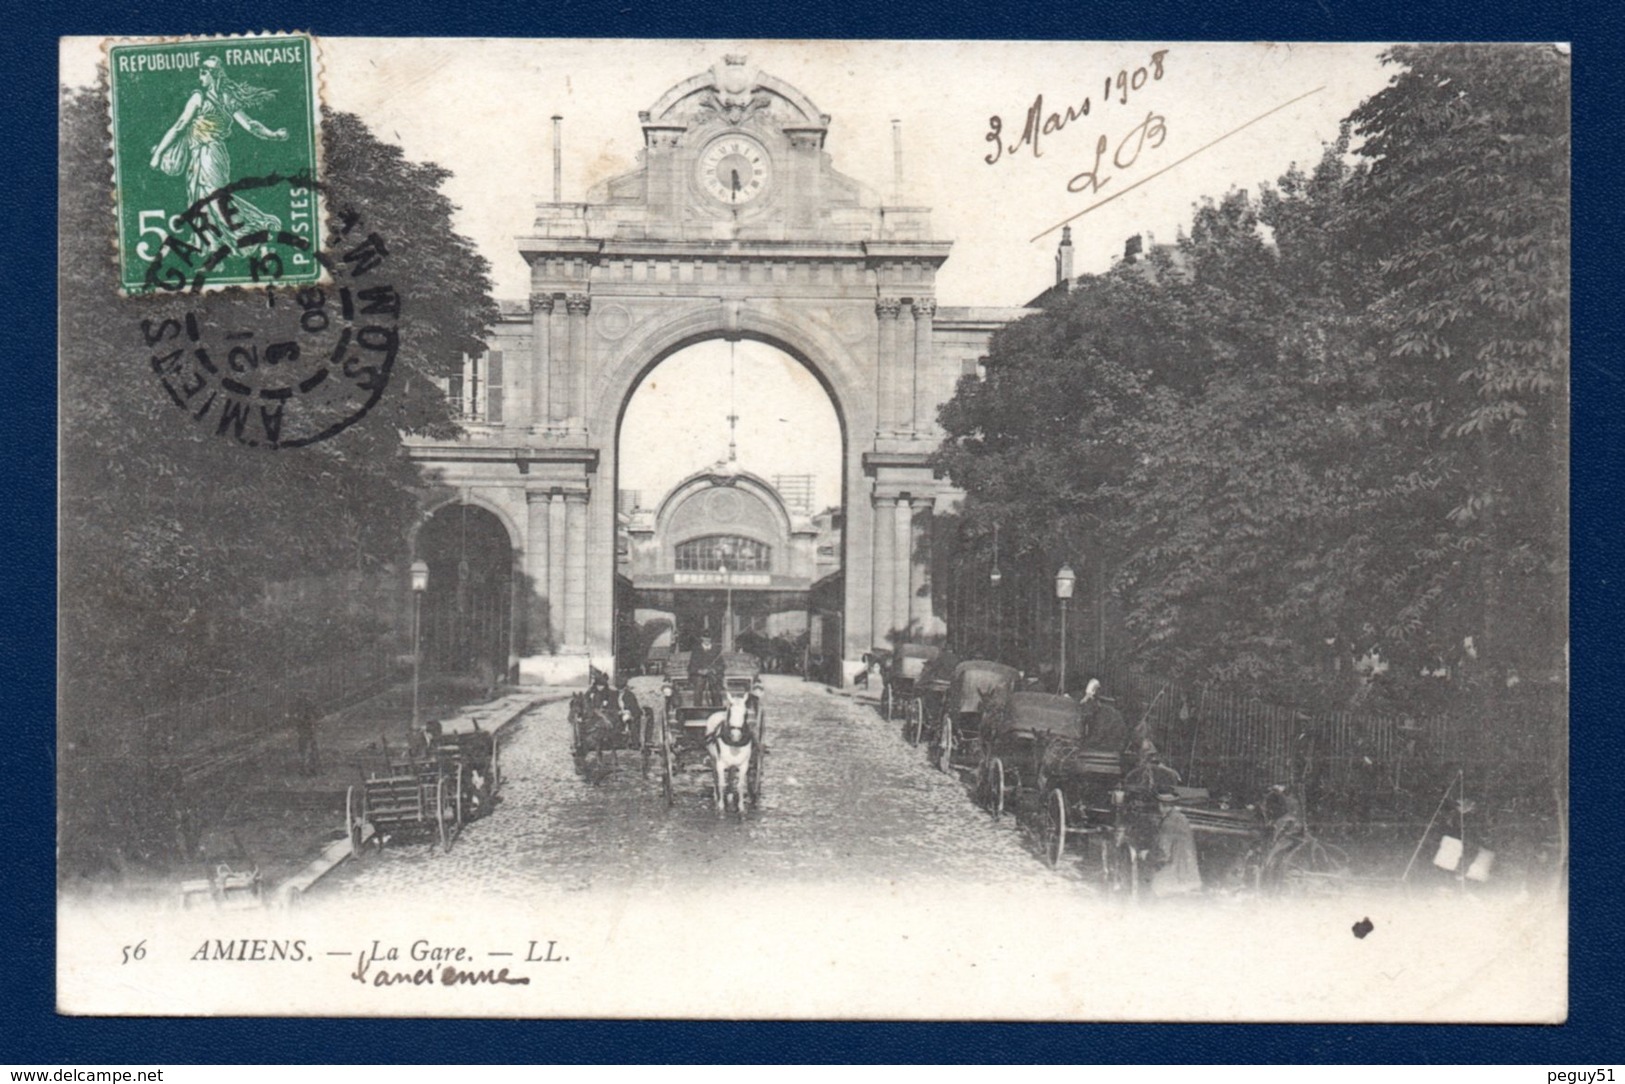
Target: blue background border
(31, 1032)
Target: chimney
(1063, 260)
(558, 159)
(1132, 249)
(896, 161)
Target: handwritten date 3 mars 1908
(1039, 124)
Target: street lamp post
(1065, 580)
(420, 584)
(727, 612)
(724, 553)
(994, 578)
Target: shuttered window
(493, 387)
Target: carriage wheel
(995, 787)
(665, 754)
(440, 814)
(461, 795)
(355, 817)
(915, 727)
(1311, 868)
(1055, 827)
(1122, 864)
(754, 783)
(945, 746)
(645, 750)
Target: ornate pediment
(733, 93)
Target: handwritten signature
(1152, 131)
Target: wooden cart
(411, 799)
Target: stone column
(575, 578)
(578, 306)
(902, 563)
(537, 547)
(902, 402)
(881, 599)
(558, 375)
(920, 408)
(557, 553)
(541, 355)
(920, 610)
(886, 310)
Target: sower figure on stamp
(195, 144)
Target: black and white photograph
(857, 530)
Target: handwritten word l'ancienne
(1039, 124)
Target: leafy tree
(1329, 421)
(170, 533)
(1464, 214)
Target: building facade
(735, 225)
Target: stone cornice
(574, 247)
(873, 461)
(520, 455)
(934, 253)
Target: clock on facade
(735, 169)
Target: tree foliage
(1328, 423)
(170, 533)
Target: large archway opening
(730, 508)
(467, 626)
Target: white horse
(732, 744)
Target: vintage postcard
(856, 530)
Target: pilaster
(537, 550)
(557, 542)
(541, 359)
(902, 578)
(882, 597)
(575, 580)
(578, 306)
(886, 310)
(920, 405)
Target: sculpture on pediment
(731, 97)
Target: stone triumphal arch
(734, 225)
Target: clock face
(735, 170)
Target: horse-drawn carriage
(976, 687)
(902, 671)
(1015, 731)
(604, 720)
(692, 737)
(445, 780)
(1133, 816)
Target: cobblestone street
(846, 800)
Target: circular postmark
(287, 364)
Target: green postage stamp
(215, 156)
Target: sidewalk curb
(333, 854)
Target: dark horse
(605, 720)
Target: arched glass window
(715, 552)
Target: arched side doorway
(467, 620)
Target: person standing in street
(304, 719)
(705, 670)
